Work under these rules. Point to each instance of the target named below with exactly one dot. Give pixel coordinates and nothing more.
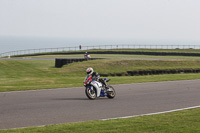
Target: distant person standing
(80, 47)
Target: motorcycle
(87, 56)
(94, 89)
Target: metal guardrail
(78, 48)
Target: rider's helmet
(89, 71)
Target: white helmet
(89, 71)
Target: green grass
(162, 50)
(50, 54)
(18, 75)
(187, 121)
(120, 56)
(32, 74)
(134, 50)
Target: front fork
(91, 88)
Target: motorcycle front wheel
(91, 93)
(111, 92)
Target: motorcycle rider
(87, 55)
(95, 76)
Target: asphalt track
(64, 105)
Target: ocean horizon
(10, 43)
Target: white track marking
(153, 113)
(120, 117)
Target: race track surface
(54, 106)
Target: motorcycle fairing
(98, 87)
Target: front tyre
(91, 92)
(111, 92)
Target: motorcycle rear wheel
(91, 93)
(111, 93)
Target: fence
(122, 46)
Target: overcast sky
(108, 19)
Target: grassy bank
(41, 74)
(174, 122)
(61, 53)
(119, 56)
(147, 50)
(129, 50)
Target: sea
(15, 43)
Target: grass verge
(120, 56)
(18, 75)
(174, 122)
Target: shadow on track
(79, 99)
(70, 99)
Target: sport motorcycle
(95, 88)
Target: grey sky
(125, 19)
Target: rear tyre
(91, 92)
(111, 92)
